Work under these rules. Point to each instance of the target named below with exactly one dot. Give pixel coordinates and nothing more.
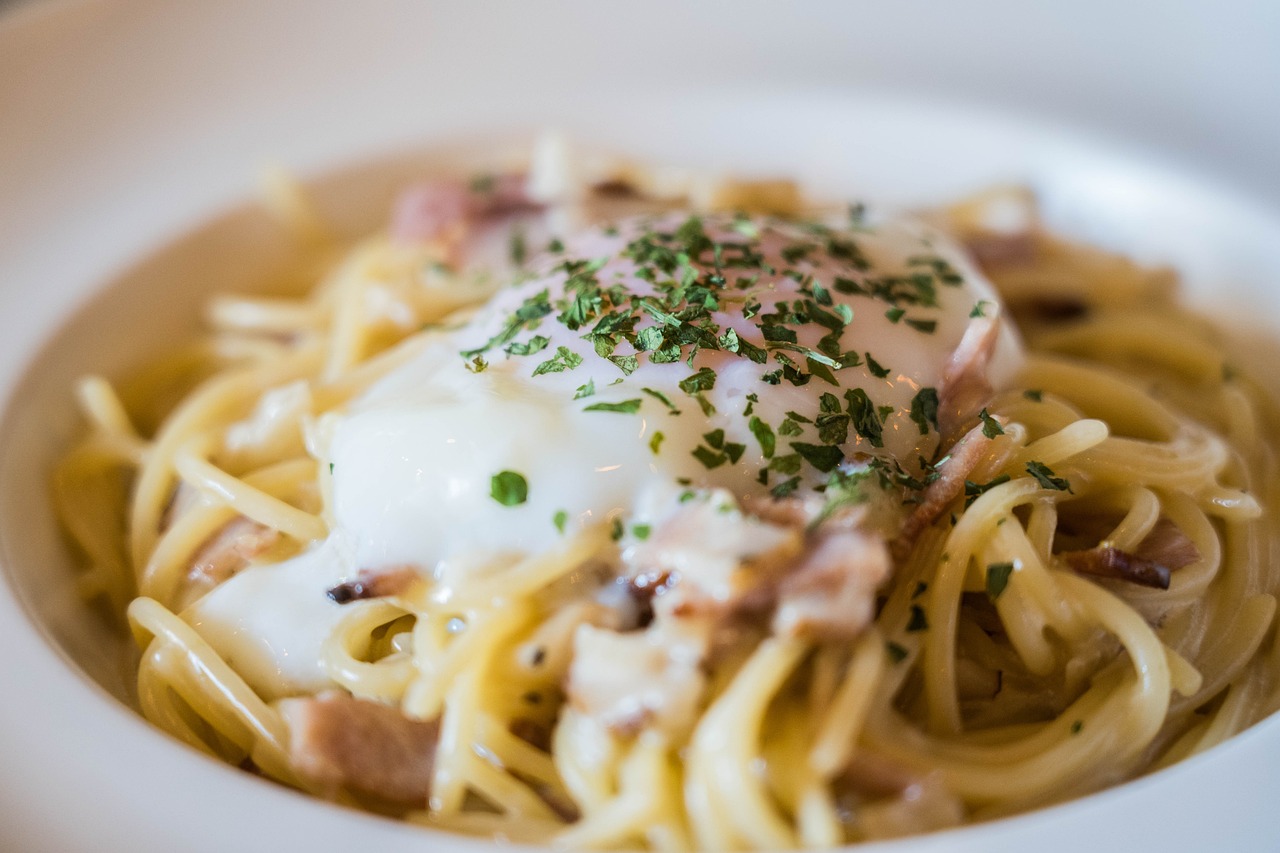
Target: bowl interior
(1227, 248)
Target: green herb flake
(535, 344)
(990, 426)
(998, 578)
(918, 621)
(1046, 478)
(641, 531)
(564, 359)
(616, 529)
(1035, 395)
(764, 436)
(655, 443)
(703, 380)
(662, 398)
(785, 488)
(895, 314)
(1077, 726)
(477, 364)
(509, 488)
(560, 519)
(585, 390)
(866, 420)
(896, 652)
(924, 409)
(926, 326)
(626, 407)
(877, 370)
(821, 456)
(709, 458)
(979, 308)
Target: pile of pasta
(978, 691)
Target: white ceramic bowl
(130, 136)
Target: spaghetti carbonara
(646, 510)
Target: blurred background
(1195, 81)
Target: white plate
(123, 126)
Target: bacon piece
(443, 209)
(1164, 550)
(374, 584)
(966, 387)
(228, 550)
(716, 559)
(630, 681)
(339, 742)
(1167, 545)
(832, 592)
(1108, 562)
(938, 495)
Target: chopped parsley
(626, 407)
(764, 436)
(990, 426)
(918, 621)
(655, 443)
(924, 409)
(509, 488)
(1046, 478)
(564, 359)
(897, 653)
(998, 578)
(560, 519)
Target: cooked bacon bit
(1107, 562)
(374, 584)
(966, 388)
(229, 550)
(1163, 551)
(630, 681)
(339, 742)
(938, 495)
(443, 208)
(992, 248)
(1167, 545)
(721, 558)
(831, 594)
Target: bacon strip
(938, 495)
(831, 593)
(966, 387)
(1164, 550)
(228, 550)
(339, 742)
(1114, 563)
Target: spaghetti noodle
(963, 593)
